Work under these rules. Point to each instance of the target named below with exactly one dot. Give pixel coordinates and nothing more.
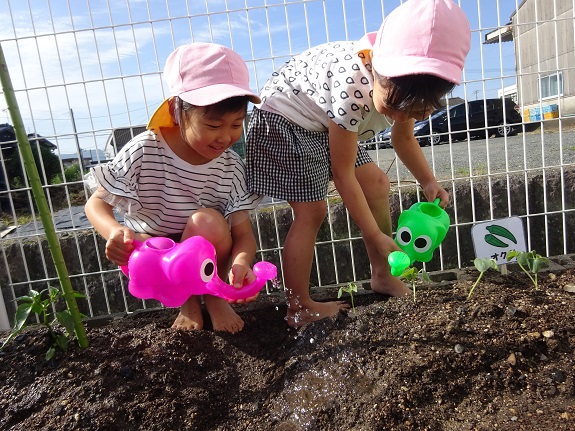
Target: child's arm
(343, 153)
(243, 249)
(119, 238)
(408, 150)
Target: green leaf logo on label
(496, 234)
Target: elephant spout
(264, 271)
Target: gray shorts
(288, 162)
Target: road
(481, 157)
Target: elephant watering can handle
(137, 245)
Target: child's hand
(384, 244)
(433, 190)
(240, 275)
(120, 245)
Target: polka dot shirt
(333, 81)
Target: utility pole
(78, 149)
(476, 93)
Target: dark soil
(502, 360)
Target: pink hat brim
(391, 67)
(216, 93)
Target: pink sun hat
(203, 74)
(423, 37)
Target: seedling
(411, 275)
(33, 303)
(351, 288)
(530, 263)
(482, 265)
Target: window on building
(551, 85)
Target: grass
(21, 219)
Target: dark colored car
(378, 142)
(437, 128)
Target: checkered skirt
(285, 161)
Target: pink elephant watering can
(171, 272)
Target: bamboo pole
(40, 199)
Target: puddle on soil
(316, 391)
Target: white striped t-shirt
(156, 191)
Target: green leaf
(62, 342)
(511, 254)
(66, 320)
(425, 276)
(38, 307)
(50, 353)
(340, 292)
(493, 265)
(522, 258)
(538, 264)
(409, 274)
(24, 299)
(482, 265)
(22, 314)
(10, 338)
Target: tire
(503, 130)
(435, 138)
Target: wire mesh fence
(88, 75)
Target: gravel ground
(480, 157)
(456, 160)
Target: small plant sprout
(351, 288)
(482, 265)
(411, 275)
(35, 303)
(529, 262)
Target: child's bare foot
(223, 316)
(190, 317)
(389, 285)
(313, 311)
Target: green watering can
(420, 230)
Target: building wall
(544, 44)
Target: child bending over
(317, 106)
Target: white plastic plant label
(495, 238)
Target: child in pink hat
(180, 179)
(317, 106)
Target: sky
(95, 65)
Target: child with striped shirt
(180, 178)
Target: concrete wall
(109, 286)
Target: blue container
(534, 114)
